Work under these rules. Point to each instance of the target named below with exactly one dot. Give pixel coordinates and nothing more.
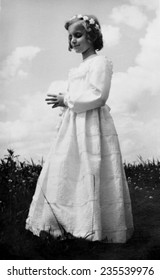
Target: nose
(73, 41)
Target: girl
(82, 189)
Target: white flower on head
(92, 21)
(97, 26)
(79, 16)
(72, 17)
(85, 18)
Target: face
(78, 38)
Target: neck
(88, 53)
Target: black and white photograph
(80, 131)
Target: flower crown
(91, 21)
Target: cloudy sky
(34, 58)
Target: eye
(78, 34)
(75, 35)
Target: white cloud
(138, 137)
(18, 130)
(149, 4)
(36, 125)
(149, 57)
(13, 63)
(57, 87)
(22, 74)
(130, 15)
(111, 35)
(144, 76)
(33, 132)
(2, 107)
(134, 97)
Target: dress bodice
(89, 84)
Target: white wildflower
(92, 21)
(85, 18)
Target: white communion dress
(82, 186)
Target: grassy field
(17, 185)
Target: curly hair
(92, 27)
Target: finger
(52, 95)
(49, 99)
(55, 105)
(51, 103)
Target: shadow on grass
(24, 245)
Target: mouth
(75, 46)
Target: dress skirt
(82, 187)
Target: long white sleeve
(96, 87)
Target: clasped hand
(55, 100)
